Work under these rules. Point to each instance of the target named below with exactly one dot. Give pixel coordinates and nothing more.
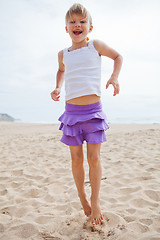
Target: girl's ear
(66, 29)
(90, 29)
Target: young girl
(83, 119)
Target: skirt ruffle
(81, 119)
(72, 119)
(89, 126)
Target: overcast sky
(33, 31)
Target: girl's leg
(95, 174)
(79, 176)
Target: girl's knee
(76, 155)
(93, 160)
(77, 161)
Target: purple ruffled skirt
(83, 122)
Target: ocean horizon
(122, 109)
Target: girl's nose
(77, 24)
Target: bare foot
(96, 214)
(85, 204)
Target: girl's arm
(55, 95)
(104, 50)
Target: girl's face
(78, 27)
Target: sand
(38, 197)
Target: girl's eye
(72, 21)
(83, 21)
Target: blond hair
(78, 8)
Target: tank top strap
(91, 44)
(65, 51)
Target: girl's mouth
(77, 32)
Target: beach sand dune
(38, 197)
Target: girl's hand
(115, 84)
(55, 94)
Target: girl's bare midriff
(84, 100)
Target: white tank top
(82, 71)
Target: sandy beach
(38, 197)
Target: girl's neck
(75, 45)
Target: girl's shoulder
(60, 56)
(98, 44)
(60, 53)
(104, 50)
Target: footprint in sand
(22, 211)
(131, 210)
(25, 230)
(43, 219)
(1, 228)
(141, 203)
(138, 227)
(152, 195)
(146, 221)
(129, 190)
